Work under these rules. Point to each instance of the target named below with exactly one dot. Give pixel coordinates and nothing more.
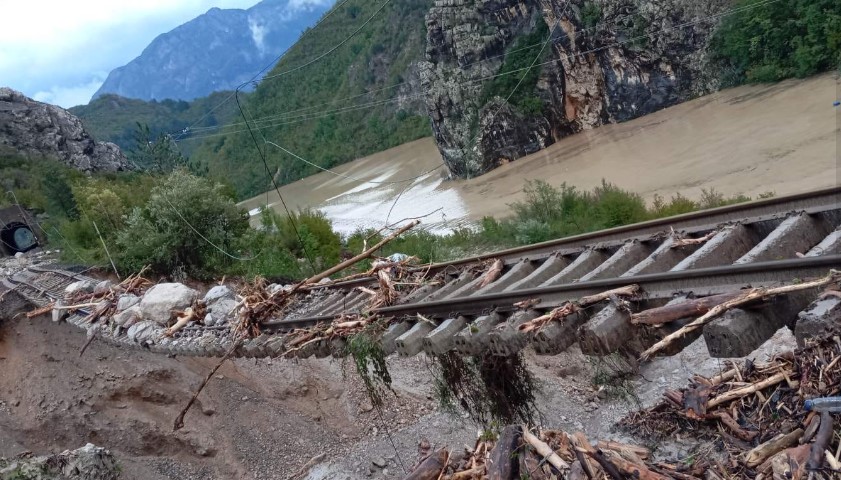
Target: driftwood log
(545, 451)
(431, 467)
(822, 439)
(772, 447)
(690, 308)
(746, 297)
(503, 464)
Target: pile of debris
(89, 462)
(759, 416)
(754, 421)
(549, 455)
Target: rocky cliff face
(607, 61)
(218, 50)
(28, 127)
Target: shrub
(591, 13)
(616, 207)
(161, 233)
(317, 238)
(676, 206)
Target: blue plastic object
(823, 404)
(836, 103)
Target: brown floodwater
(780, 138)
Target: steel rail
(693, 222)
(702, 281)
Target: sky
(60, 52)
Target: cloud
(74, 39)
(308, 4)
(71, 96)
(258, 33)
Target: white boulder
(159, 301)
(128, 316)
(127, 301)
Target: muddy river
(781, 138)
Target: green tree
(777, 40)
(188, 224)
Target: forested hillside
(308, 110)
(351, 86)
(114, 118)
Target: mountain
(34, 129)
(374, 75)
(115, 118)
(218, 50)
(362, 95)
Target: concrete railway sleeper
(766, 243)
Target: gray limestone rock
(40, 129)
(160, 300)
(127, 301)
(586, 76)
(128, 316)
(89, 462)
(140, 331)
(83, 286)
(217, 293)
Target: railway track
(762, 243)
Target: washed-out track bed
(762, 243)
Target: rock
(19, 255)
(83, 286)
(160, 300)
(209, 320)
(139, 332)
(102, 286)
(40, 129)
(222, 310)
(379, 462)
(127, 301)
(128, 316)
(218, 292)
(89, 462)
(614, 82)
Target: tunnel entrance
(18, 237)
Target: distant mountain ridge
(217, 50)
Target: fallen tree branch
(822, 439)
(683, 242)
(770, 448)
(733, 426)
(181, 322)
(91, 336)
(179, 421)
(311, 463)
(741, 392)
(75, 307)
(431, 467)
(545, 451)
(676, 311)
(746, 297)
(569, 308)
(557, 314)
(41, 311)
(492, 274)
(362, 256)
(626, 291)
